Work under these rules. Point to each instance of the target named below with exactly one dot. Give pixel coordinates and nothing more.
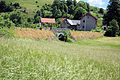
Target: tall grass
(22, 59)
(78, 35)
(34, 33)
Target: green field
(31, 4)
(25, 59)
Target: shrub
(7, 32)
(45, 25)
(6, 23)
(65, 37)
(113, 29)
(41, 27)
(98, 29)
(70, 40)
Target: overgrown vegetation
(22, 17)
(65, 37)
(6, 27)
(69, 9)
(112, 18)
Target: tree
(69, 2)
(113, 12)
(113, 29)
(75, 3)
(79, 12)
(101, 11)
(16, 5)
(71, 9)
(6, 7)
(17, 18)
(56, 3)
(58, 13)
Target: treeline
(8, 7)
(112, 18)
(68, 9)
(59, 9)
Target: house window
(83, 26)
(83, 20)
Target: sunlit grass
(78, 35)
(35, 34)
(55, 60)
(31, 4)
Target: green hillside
(31, 4)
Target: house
(47, 21)
(71, 24)
(86, 23)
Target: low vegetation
(77, 35)
(97, 59)
(35, 34)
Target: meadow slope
(26, 59)
(31, 4)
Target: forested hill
(26, 13)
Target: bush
(98, 29)
(65, 37)
(45, 25)
(70, 40)
(6, 23)
(113, 29)
(7, 32)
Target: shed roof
(48, 20)
(73, 22)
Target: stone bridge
(61, 31)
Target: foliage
(79, 12)
(17, 18)
(98, 29)
(6, 27)
(113, 29)
(113, 12)
(99, 22)
(7, 6)
(66, 9)
(7, 32)
(65, 37)
(101, 11)
(6, 23)
(45, 25)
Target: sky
(97, 3)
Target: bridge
(61, 31)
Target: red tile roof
(48, 20)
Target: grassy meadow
(26, 59)
(31, 4)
